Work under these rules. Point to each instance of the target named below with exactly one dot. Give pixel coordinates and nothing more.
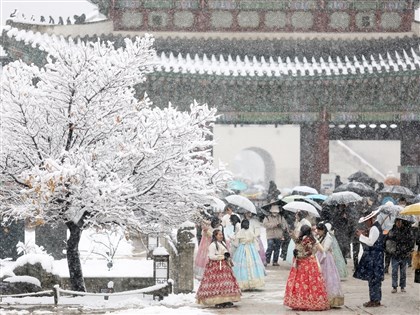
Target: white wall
(376, 158)
(283, 144)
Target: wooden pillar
(314, 153)
(410, 154)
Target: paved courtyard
(270, 300)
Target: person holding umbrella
(371, 264)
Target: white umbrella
(296, 206)
(242, 202)
(305, 189)
(217, 203)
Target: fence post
(56, 291)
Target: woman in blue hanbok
(247, 265)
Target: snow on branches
(78, 146)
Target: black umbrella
(359, 188)
(416, 199)
(264, 210)
(398, 190)
(362, 177)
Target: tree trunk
(73, 258)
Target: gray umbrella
(359, 188)
(397, 190)
(342, 198)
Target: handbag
(390, 247)
(415, 260)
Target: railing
(158, 291)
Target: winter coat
(404, 241)
(275, 227)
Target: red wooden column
(314, 153)
(410, 155)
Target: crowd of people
(231, 257)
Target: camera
(227, 255)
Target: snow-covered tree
(79, 148)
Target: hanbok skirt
(219, 285)
(290, 248)
(248, 267)
(261, 250)
(202, 258)
(339, 259)
(305, 287)
(331, 278)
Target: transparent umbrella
(387, 215)
(398, 191)
(342, 198)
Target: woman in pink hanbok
(328, 267)
(202, 258)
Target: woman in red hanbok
(305, 288)
(219, 286)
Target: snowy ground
(94, 266)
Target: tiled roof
(285, 66)
(346, 58)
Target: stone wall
(181, 261)
(120, 284)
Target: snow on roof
(160, 251)
(281, 66)
(26, 279)
(187, 224)
(49, 13)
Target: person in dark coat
(371, 264)
(399, 244)
(344, 229)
